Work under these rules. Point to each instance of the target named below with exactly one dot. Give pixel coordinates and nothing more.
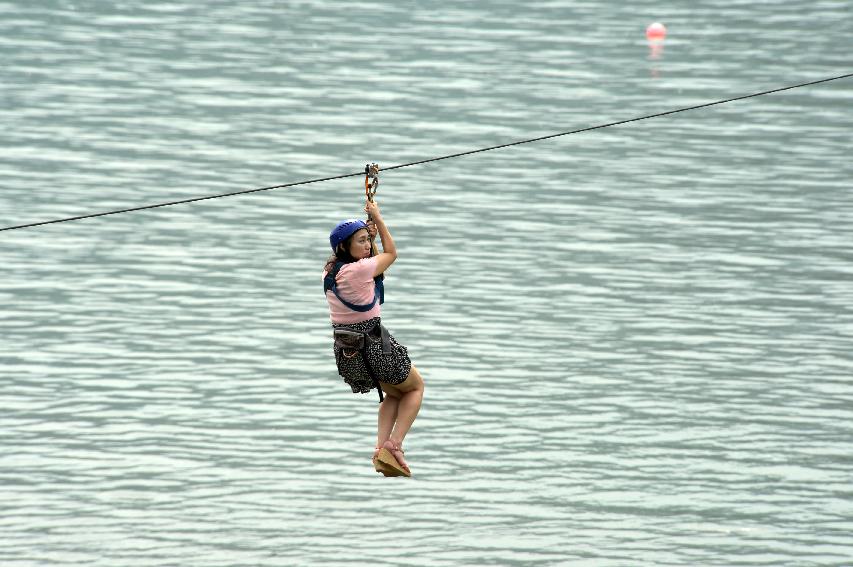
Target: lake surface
(636, 342)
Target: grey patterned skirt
(389, 368)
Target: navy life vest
(329, 284)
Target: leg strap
(371, 372)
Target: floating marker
(656, 32)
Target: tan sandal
(391, 454)
(383, 468)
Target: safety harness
(352, 342)
(357, 342)
(329, 284)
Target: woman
(366, 355)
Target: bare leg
(387, 417)
(410, 404)
(409, 395)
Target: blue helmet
(344, 230)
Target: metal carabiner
(371, 171)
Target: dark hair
(341, 254)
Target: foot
(396, 449)
(376, 464)
(380, 467)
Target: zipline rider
(366, 354)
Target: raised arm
(389, 251)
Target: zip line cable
(456, 155)
(659, 114)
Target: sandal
(391, 454)
(381, 467)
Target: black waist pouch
(352, 340)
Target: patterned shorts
(391, 369)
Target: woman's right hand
(372, 210)
(389, 251)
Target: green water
(635, 341)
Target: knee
(413, 383)
(417, 383)
(391, 393)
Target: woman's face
(360, 245)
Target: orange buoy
(656, 32)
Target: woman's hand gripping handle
(377, 224)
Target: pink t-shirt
(355, 284)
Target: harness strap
(370, 338)
(329, 284)
(371, 372)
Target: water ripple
(635, 341)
